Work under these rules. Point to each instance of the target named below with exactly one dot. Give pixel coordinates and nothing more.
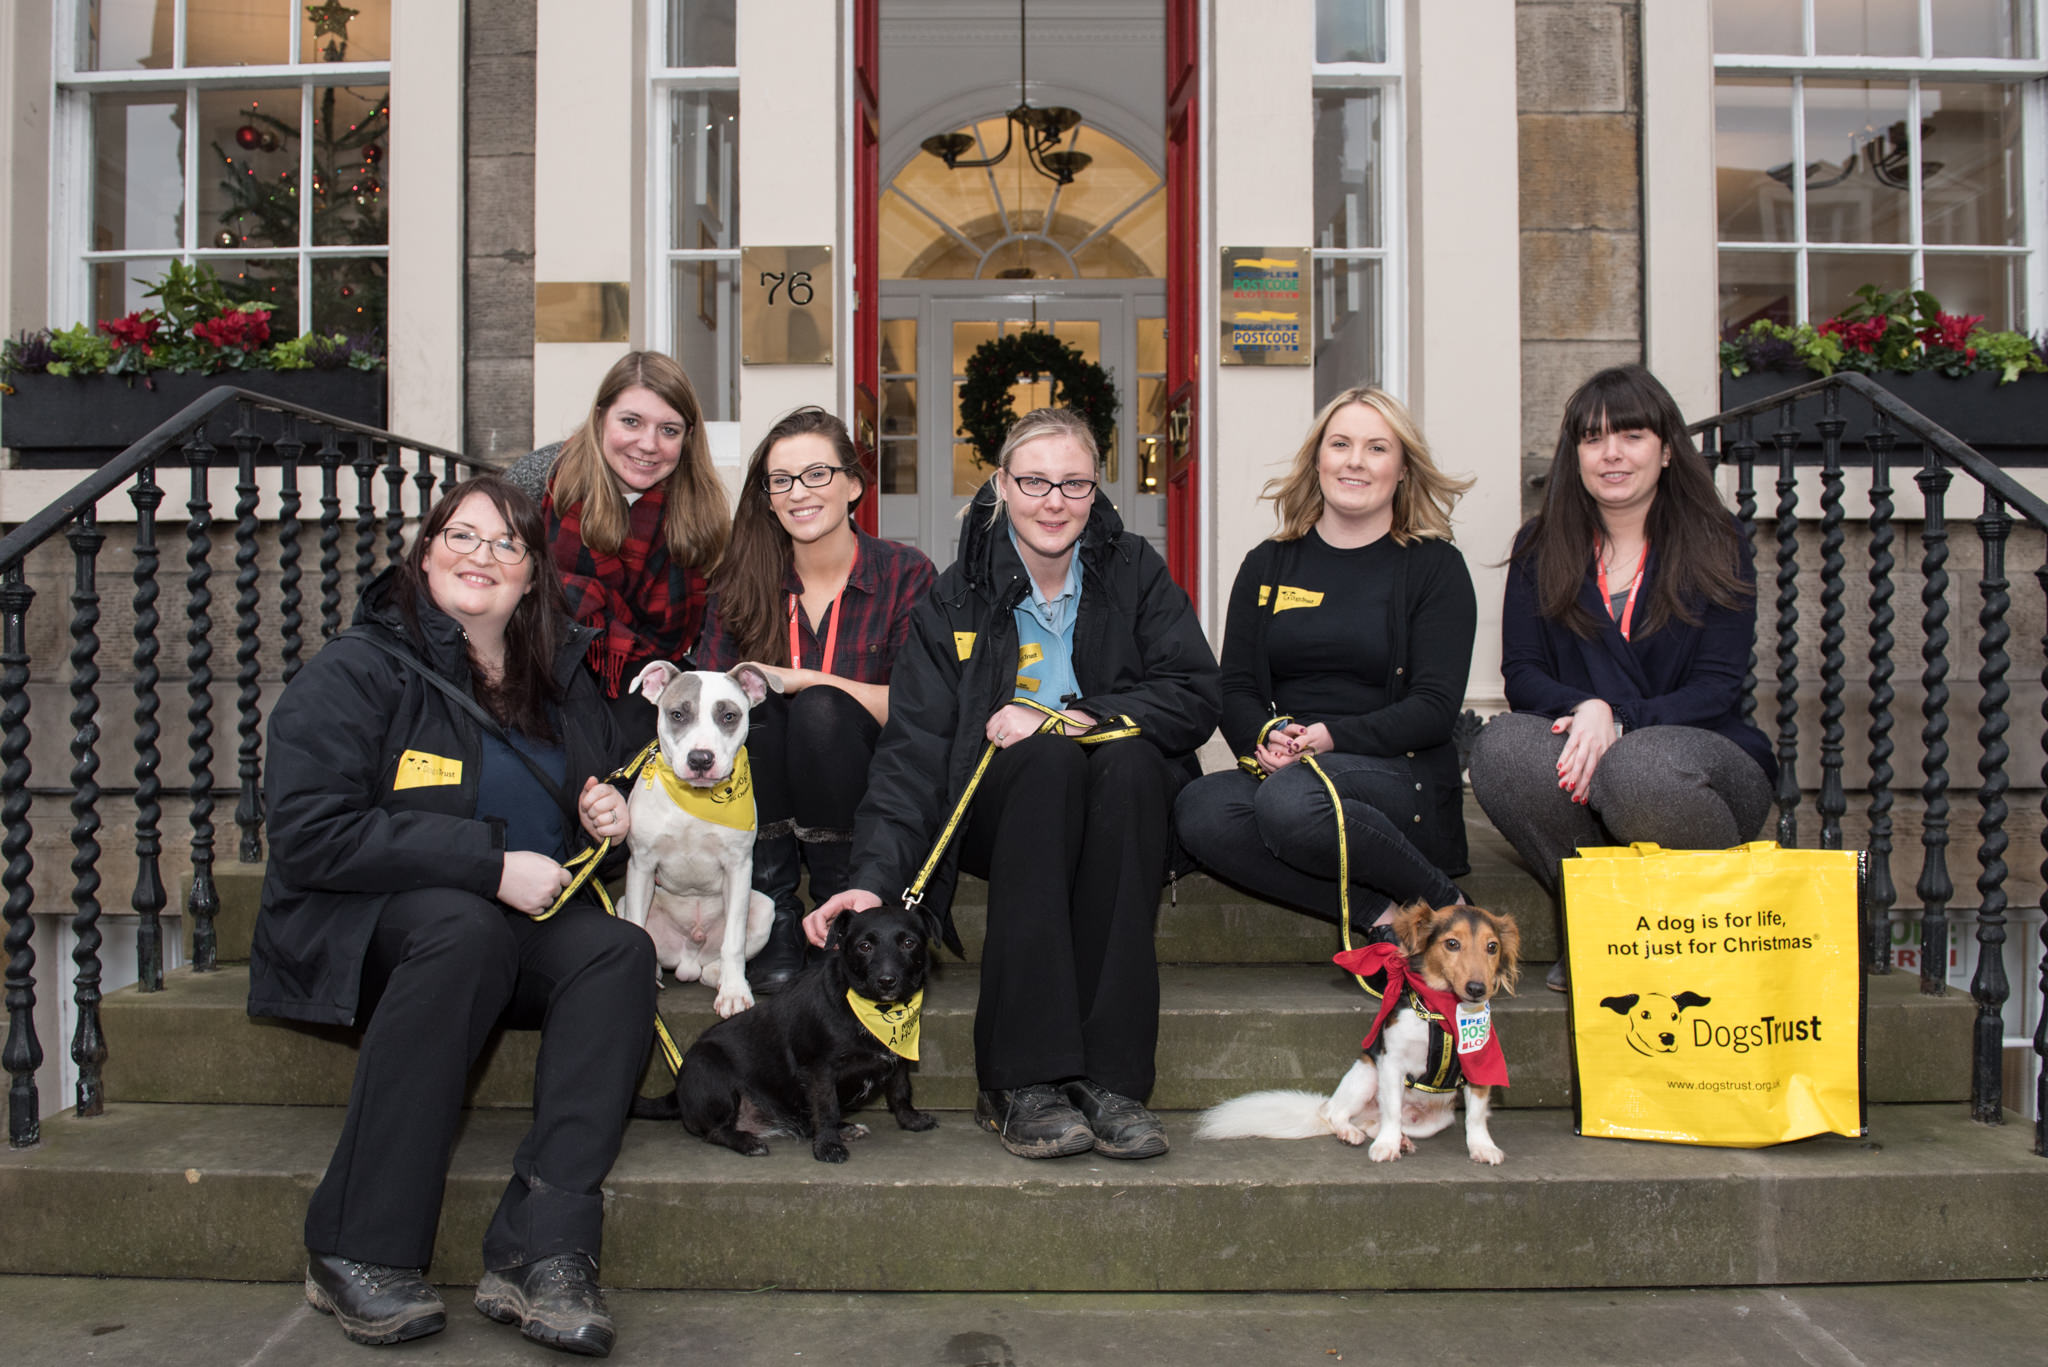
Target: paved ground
(50, 1320)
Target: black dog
(799, 1059)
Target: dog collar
(895, 1024)
(729, 804)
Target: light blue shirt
(1045, 639)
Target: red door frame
(1183, 291)
(867, 212)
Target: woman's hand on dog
(531, 881)
(1588, 730)
(604, 811)
(819, 923)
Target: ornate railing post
(330, 534)
(423, 480)
(23, 1052)
(1988, 984)
(1743, 451)
(1934, 888)
(1787, 528)
(249, 697)
(204, 900)
(393, 459)
(289, 598)
(88, 1045)
(1831, 802)
(148, 899)
(1879, 893)
(365, 465)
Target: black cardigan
(1431, 619)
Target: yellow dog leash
(1251, 766)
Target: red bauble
(248, 137)
(372, 154)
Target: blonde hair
(1039, 423)
(695, 523)
(1422, 501)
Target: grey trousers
(1677, 786)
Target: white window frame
(71, 159)
(1387, 77)
(2026, 73)
(662, 256)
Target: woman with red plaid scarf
(825, 607)
(636, 518)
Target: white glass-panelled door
(1117, 325)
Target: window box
(57, 422)
(2007, 422)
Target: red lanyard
(1634, 589)
(831, 628)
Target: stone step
(219, 1192)
(1200, 919)
(1223, 1030)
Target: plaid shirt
(888, 580)
(644, 606)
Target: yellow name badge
(1265, 594)
(418, 769)
(1291, 597)
(963, 644)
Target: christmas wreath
(986, 411)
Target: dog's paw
(730, 1003)
(828, 1150)
(918, 1121)
(1384, 1152)
(1487, 1153)
(1348, 1132)
(853, 1130)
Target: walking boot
(775, 873)
(828, 854)
(373, 1303)
(555, 1301)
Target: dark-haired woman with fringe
(806, 594)
(1625, 634)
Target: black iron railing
(1731, 438)
(259, 425)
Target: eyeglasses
(817, 477)
(1038, 486)
(505, 550)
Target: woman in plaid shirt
(825, 606)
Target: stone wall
(498, 296)
(1578, 82)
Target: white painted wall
(791, 183)
(426, 271)
(1465, 284)
(1261, 149)
(24, 163)
(1680, 306)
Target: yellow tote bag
(1717, 995)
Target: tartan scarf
(1486, 1068)
(644, 606)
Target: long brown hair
(749, 580)
(694, 525)
(1699, 551)
(533, 636)
(1422, 501)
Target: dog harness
(729, 804)
(1384, 972)
(895, 1024)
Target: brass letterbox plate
(786, 305)
(1264, 305)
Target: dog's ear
(1685, 999)
(756, 682)
(1412, 926)
(1510, 936)
(1621, 1006)
(651, 682)
(842, 926)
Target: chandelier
(1042, 129)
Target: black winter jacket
(1138, 652)
(369, 787)
(1432, 615)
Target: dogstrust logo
(1267, 293)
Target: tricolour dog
(1422, 1046)
(690, 882)
(842, 1032)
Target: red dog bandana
(1485, 1067)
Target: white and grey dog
(690, 883)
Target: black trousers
(444, 968)
(1073, 841)
(810, 753)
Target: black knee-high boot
(776, 871)
(829, 857)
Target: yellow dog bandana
(729, 804)
(894, 1025)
